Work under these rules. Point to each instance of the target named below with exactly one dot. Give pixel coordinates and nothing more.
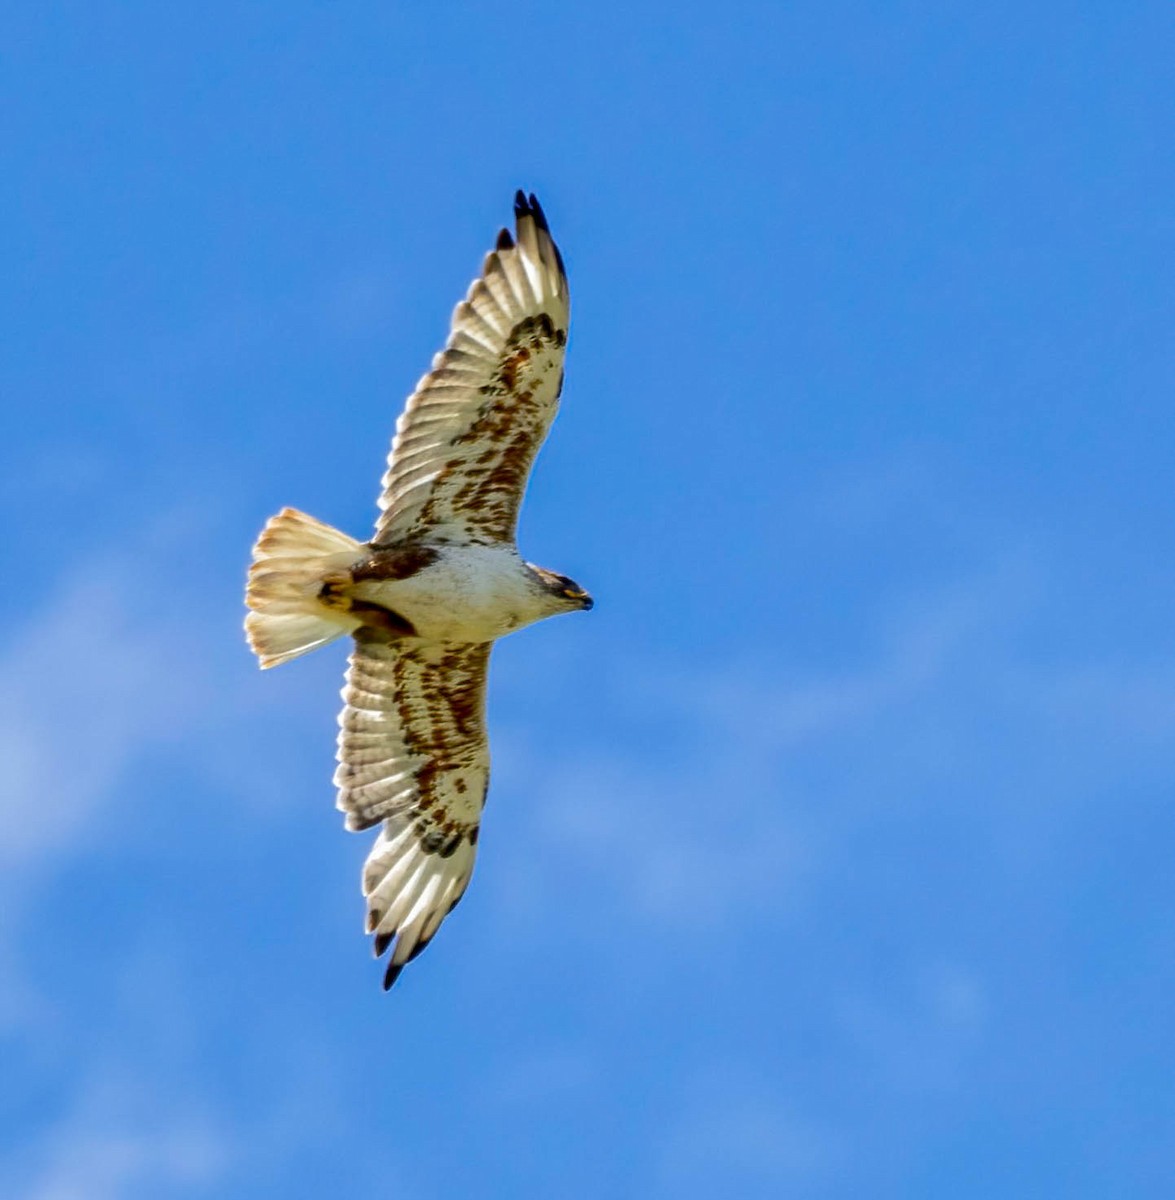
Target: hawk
(425, 599)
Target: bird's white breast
(469, 594)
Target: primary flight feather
(426, 598)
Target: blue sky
(831, 855)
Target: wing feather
(413, 757)
(469, 433)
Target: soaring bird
(426, 598)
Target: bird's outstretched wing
(469, 433)
(413, 755)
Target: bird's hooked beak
(585, 601)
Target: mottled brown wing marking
(504, 436)
(397, 562)
(413, 755)
(422, 706)
(469, 434)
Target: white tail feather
(291, 559)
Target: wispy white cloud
(122, 655)
(86, 685)
(88, 1163)
(725, 820)
(767, 769)
(117, 1142)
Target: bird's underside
(425, 599)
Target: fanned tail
(291, 560)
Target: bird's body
(496, 591)
(426, 598)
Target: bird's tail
(293, 558)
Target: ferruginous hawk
(427, 597)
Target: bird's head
(566, 594)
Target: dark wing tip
(505, 241)
(529, 206)
(417, 949)
(536, 211)
(382, 942)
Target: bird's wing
(469, 433)
(413, 755)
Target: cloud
(89, 1156)
(85, 686)
(118, 1140)
(123, 657)
(730, 797)
(711, 813)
